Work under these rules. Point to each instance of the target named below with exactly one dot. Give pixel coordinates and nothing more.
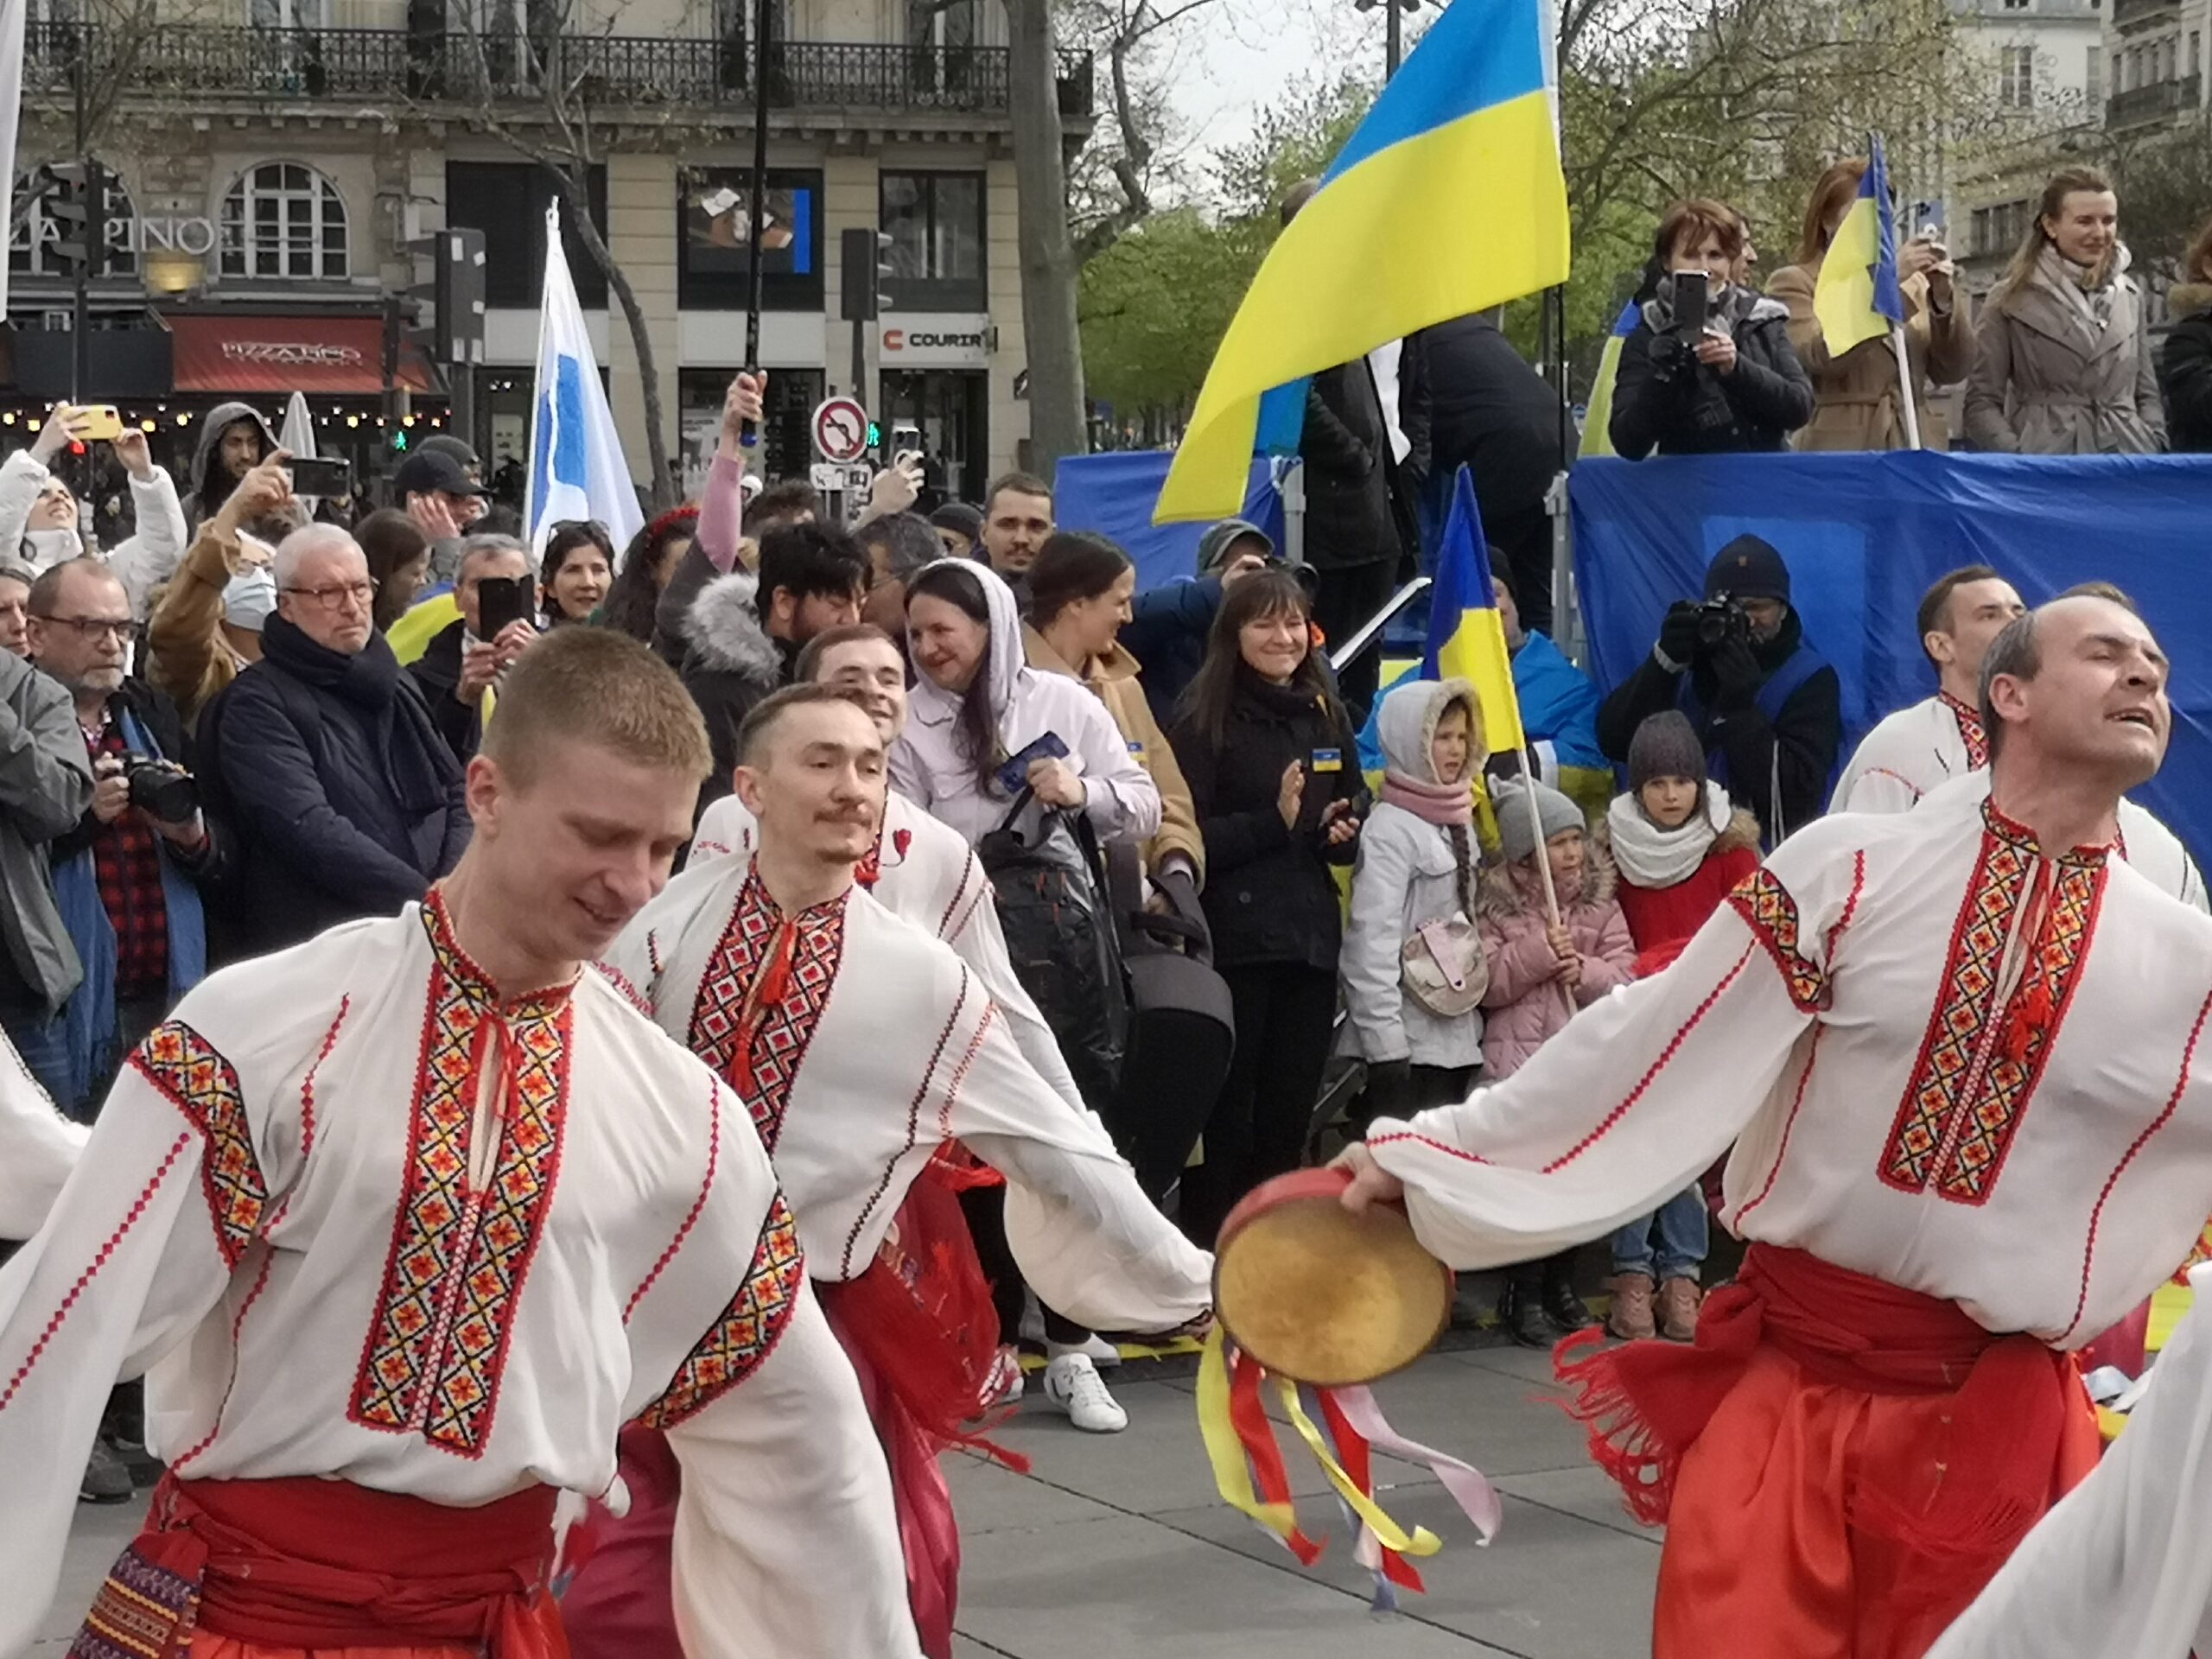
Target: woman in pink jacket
(1539, 976)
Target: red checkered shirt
(128, 862)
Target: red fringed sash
(1646, 1403)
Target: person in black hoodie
(1737, 386)
(233, 440)
(1766, 706)
(2185, 359)
(324, 757)
(1273, 761)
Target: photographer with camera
(129, 879)
(1710, 369)
(1766, 706)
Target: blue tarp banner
(1113, 494)
(1866, 535)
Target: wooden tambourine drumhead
(1321, 1295)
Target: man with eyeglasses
(347, 800)
(128, 879)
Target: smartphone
(906, 436)
(329, 476)
(1689, 302)
(1014, 776)
(97, 423)
(500, 601)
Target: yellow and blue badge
(1328, 760)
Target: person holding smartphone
(1710, 369)
(1856, 401)
(43, 522)
(462, 664)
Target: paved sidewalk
(1116, 1545)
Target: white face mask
(50, 547)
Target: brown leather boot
(1679, 1302)
(1630, 1318)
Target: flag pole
(1910, 392)
(748, 434)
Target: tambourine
(1323, 1296)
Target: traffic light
(875, 435)
(399, 439)
(76, 204)
(866, 257)
(453, 296)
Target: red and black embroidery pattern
(1970, 731)
(201, 1084)
(460, 1254)
(1764, 903)
(746, 1333)
(1979, 1063)
(762, 997)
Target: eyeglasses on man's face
(93, 629)
(333, 595)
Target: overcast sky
(1232, 57)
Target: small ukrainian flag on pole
(1448, 198)
(1859, 297)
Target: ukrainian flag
(1858, 297)
(1448, 198)
(1597, 422)
(1466, 636)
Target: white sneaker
(1073, 1383)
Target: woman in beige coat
(2062, 361)
(1855, 402)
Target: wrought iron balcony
(2126, 14)
(2144, 104)
(391, 68)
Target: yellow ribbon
(1387, 1531)
(1231, 1474)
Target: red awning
(282, 355)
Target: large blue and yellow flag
(1466, 636)
(1447, 198)
(1858, 297)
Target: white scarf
(1651, 857)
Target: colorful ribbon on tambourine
(1249, 1469)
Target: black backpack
(1056, 912)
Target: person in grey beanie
(1541, 974)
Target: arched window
(30, 246)
(285, 220)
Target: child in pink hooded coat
(1539, 976)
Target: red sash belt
(314, 1563)
(1647, 1402)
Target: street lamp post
(1394, 37)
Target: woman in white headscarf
(39, 515)
(977, 707)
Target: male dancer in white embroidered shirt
(1935, 743)
(1956, 1050)
(864, 1047)
(409, 1221)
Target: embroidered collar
(2018, 834)
(1970, 730)
(472, 980)
(754, 896)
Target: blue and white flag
(576, 468)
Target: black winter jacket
(1801, 744)
(348, 800)
(437, 671)
(1349, 516)
(1487, 409)
(1269, 897)
(728, 664)
(2185, 369)
(1665, 400)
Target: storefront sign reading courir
(936, 341)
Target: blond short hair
(594, 685)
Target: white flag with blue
(576, 468)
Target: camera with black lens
(162, 789)
(1719, 620)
